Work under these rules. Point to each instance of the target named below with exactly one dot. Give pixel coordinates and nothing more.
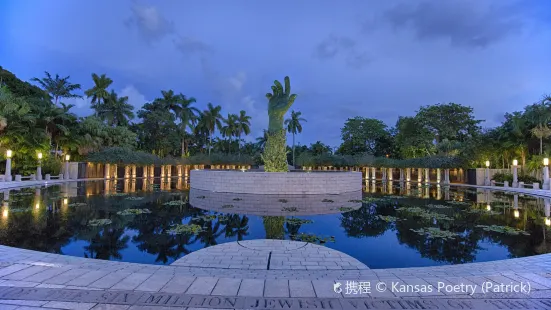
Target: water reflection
(389, 225)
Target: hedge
(308, 160)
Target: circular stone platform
(274, 205)
(290, 183)
(265, 254)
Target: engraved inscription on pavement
(236, 302)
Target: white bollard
(17, 178)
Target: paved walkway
(270, 255)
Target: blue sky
(367, 58)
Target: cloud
(334, 45)
(151, 25)
(463, 23)
(135, 97)
(189, 46)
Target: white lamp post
(9, 154)
(546, 173)
(39, 167)
(547, 211)
(515, 173)
(67, 158)
(516, 212)
(487, 178)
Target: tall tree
(116, 110)
(294, 126)
(187, 114)
(413, 139)
(230, 127)
(243, 126)
(362, 135)
(540, 115)
(99, 92)
(450, 121)
(212, 120)
(57, 87)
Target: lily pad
(175, 203)
(327, 200)
(296, 221)
(311, 238)
(185, 229)
(201, 197)
(388, 218)
(99, 222)
(283, 200)
(435, 233)
(237, 199)
(459, 203)
(227, 206)
(134, 198)
(134, 212)
(438, 206)
(77, 204)
(503, 230)
(355, 201)
(420, 212)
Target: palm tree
(57, 87)
(243, 126)
(294, 126)
(261, 141)
(99, 92)
(212, 120)
(116, 110)
(230, 128)
(188, 116)
(170, 101)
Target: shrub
(502, 177)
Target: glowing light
(547, 222)
(487, 163)
(9, 153)
(5, 213)
(39, 155)
(37, 206)
(65, 201)
(67, 157)
(489, 208)
(515, 162)
(546, 161)
(516, 213)
(243, 169)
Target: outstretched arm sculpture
(275, 151)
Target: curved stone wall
(289, 183)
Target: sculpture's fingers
(269, 96)
(291, 100)
(287, 86)
(274, 90)
(279, 87)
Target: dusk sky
(371, 58)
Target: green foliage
(289, 209)
(134, 212)
(275, 153)
(502, 177)
(175, 203)
(297, 221)
(273, 226)
(435, 233)
(123, 156)
(99, 222)
(51, 165)
(185, 229)
(364, 135)
(503, 230)
(311, 238)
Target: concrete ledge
(290, 183)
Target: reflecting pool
(385, 226)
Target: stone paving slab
(270, 255)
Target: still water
(385, 226)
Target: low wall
(290, 183)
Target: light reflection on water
(397, 225)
